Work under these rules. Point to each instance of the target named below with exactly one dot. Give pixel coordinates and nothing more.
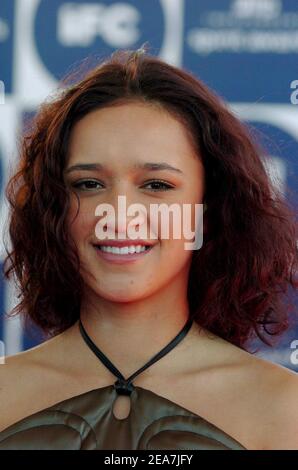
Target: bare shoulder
(35, 373)
(252, 399)
(265, 396)
(280, 415)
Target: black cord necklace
(125, 386)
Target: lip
(122, 259)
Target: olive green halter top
(87, 421)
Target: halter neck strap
(125, 386)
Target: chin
(124, 294)
(118, 298)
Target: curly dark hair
(239, 277)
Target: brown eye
(161, 185)
(89, 184)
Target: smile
(125, 254)
(125, 250)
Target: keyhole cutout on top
(121, 406)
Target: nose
(128, 216)
(122, 219)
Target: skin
(121, 302)
(132, 311)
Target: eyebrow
(144, 166)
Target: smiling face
(126, 144)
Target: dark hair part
(249, 256)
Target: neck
(130, 333)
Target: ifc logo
(67, 32)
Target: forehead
(130, 132)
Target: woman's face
(123, 140)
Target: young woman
(146, 349)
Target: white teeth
(124, 250)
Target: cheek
(174, 255)
(180, 228)
(79, 221)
